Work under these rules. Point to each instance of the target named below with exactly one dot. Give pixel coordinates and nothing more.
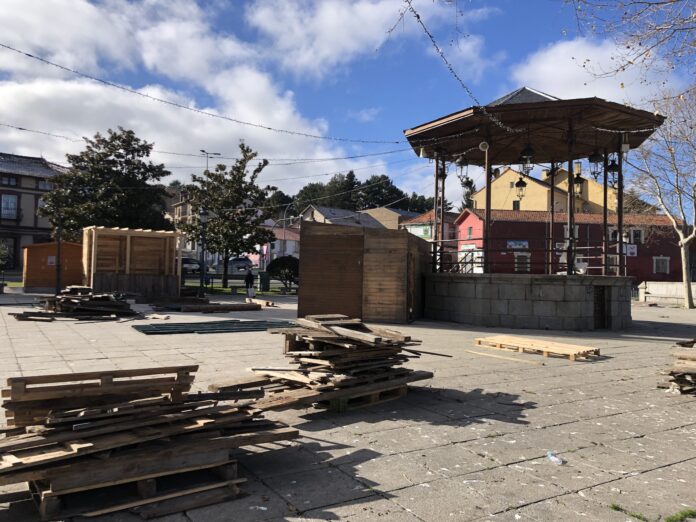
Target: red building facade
(521, 242)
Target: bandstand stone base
(552, 302)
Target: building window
(565, 231)
(613, 262)
(8, 180)
(637, 236)
(512, 184)
(522, 262)
(8, 206)
(42, 184)
(516, 204)
(660, 265)
(40, 203)
(469, 232)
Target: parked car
(236, 264)
(191, 265)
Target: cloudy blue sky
(329, 68)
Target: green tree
(286, 269)
(416, 203)
(234, 203)
(340, 191)
(109, 184)
(379, 191)
(308, 194)
(275, 203)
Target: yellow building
(537, 193)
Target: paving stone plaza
(470, 444)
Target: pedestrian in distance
(249, 283)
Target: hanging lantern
(578, 180)
(596, 160)
(526, 157)
(520, 187)
(613, 170)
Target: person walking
(249, 283)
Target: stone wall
(663, 292)
(553, 302)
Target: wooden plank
(40, 456)
(84, 376)
(295, 398)
(163, 384)
(186, 503)
(144, 455)
(353, 334)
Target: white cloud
(313, 37)
(72, 32)
(364, 115)
(467, 55)
(567, 69)
(169, 40)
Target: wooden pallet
(343, 404)
(162, 487)
(546, 348)
(31, 398)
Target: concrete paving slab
(446, 450)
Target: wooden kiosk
(142, 262)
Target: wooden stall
(142, 262)
(39, 272)
(370, 273)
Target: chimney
(545, 173)
(577, 168)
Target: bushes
(286, 269)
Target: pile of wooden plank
(342, 363)
(80, 305)
(681, 377)
(100, 442)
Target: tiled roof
(427, 217)
(28, 166)
(289, 234)
(581, 218)
(523, 95)
(339, 216)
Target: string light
(453, 72)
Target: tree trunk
(225, 259)
(686, 276)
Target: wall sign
(518, 244)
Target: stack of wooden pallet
(342, 363)
(681, 377)
(99, 442)
(76, 305)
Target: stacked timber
(80, 303)
(94, 443)
(341, 363)
(681, 377)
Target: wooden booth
(371, 273)
(39, 273)
(142, 262)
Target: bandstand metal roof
(529, 117)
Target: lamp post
(207, 156)
(203, 219)
(285, 213)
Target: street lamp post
(207, 156)
(203, 218)
(285, 213)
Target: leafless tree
(666, 172)
(656, 35)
